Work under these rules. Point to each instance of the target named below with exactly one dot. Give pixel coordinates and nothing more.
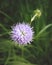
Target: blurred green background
(40, 50)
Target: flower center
(23, 33)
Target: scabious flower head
(22, 33)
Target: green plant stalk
(46, 27)
(2, 25)
(9, 54)
(33, 18)
(22, 48)
(22, 51)
(6, 15)
(7, 32)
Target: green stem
(14, 54)
(46, 27)
(32, 19)
(7, 32)
(9, 54)
(3, 27)
(6, 15)
(22, 51)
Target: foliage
(40, 50)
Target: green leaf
(45, 28)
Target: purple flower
(22, 33)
